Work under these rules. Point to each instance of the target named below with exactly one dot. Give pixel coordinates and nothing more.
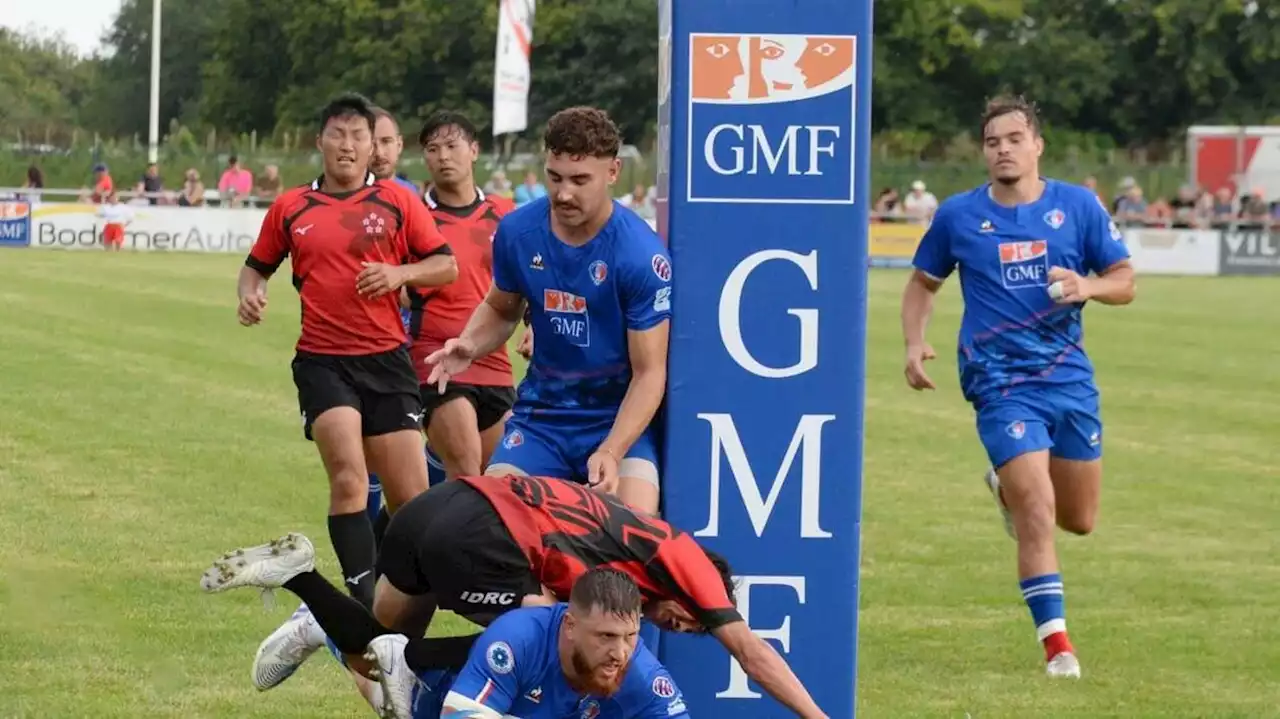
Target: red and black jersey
(438, 314)
(329, 238)
(566, 529)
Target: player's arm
(266, 256)
(434, 263)
(1106, 255)
(646, 298)
(495, 319)
(767, 668)
(933, 263)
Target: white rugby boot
(282, 653)
(993, 483)
(392, 672)
(266, 566)
(1064, 665)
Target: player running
(539, 662)
(598, 281)
(1026, 248)
(464, 422)
(482, 546)
(354, 241)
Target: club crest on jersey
(1024, 264)
(599, 271)
(500, 658)
(664, 687)
(567, 313)
(1017, 429)
(661, 267)
(1055, 218)
(515, 439)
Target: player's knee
(503, 469)
(1079, 522)
(348, 487)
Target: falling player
(1031, 252)
(576, 659)
(598, 281)
(483, 546)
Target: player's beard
(593, 681)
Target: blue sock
(651, 635)
(333, 649)
(374, 503)
(435, 468)
(1043, 595)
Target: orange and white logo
(769, 68)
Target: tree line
(1122, 73)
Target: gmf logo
(771, 118)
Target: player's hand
(917, 355)
(449, 361)
(378, 279)
(602, 471)
(1074, 287)
(525, 346)
(251, 308)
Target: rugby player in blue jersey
(597, 280)
(581, 659)
(1031, 252)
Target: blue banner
(763, 199)
(15, 224)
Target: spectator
(152, 184)
(1131, 208)
(1183, 208)
(141, 197)
(640, 201)
(1224, 209)
(235, 184)
(1254, 210)
(102, 184)
(498, 184)
(530, 189)
(192, 190)
(1126, 184)
(267, 186)
(1091, 183)
(34, 181)
(920, 204)
(888, 207)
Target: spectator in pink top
(236, 183)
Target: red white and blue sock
(1043, 595)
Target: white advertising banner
(70, 226)
(1173, 252)
(511, 74)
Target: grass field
(143, 432)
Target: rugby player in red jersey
(354, 241)
(481, 546)
(465, 422)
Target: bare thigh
(1077, 487)
(455, 438)
(397, 459)
(336, 433)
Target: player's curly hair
(1002, 105)
(582, 132)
